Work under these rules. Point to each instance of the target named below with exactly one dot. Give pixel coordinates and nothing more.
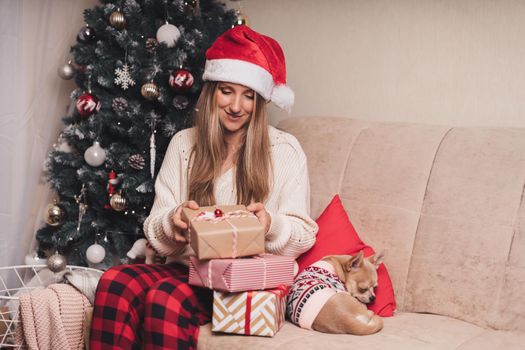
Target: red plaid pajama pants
(150, 300)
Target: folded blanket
(42, 278)
(85, 281)
(53, 318)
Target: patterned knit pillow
(337, 236)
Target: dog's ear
(377, 259)
(354, 262)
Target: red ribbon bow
(281, 292)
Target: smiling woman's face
(235, 104)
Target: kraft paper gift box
(258, 313)
(236, 233)
(243, 274)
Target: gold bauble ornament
(241, 19)
(118, 202)
(56, 262)
(150, 91)
(117, 20)
(53, 214)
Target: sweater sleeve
(292, 231)
(158, 226)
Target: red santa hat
(243, 56)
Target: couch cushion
(384, 186)
(463, 244)
(405, 331)
(327, 143)
(380, 171)
(511, 303)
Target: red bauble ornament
(87, 104)
(218, 213)
(181, 80)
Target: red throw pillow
(337, 236)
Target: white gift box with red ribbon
(258, 313)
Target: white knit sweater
(291, 232)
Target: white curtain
(35, 37)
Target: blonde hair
(254, 165)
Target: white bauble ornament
(95, 253)
(168, 34)
(95, 155)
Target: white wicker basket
(13, 281)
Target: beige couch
(447, 204)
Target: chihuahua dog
(330, 295)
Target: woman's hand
(261, 213)
(180, 225)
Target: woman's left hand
(261, 213)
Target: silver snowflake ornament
(123, 78)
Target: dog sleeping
(330, 295)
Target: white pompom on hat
(243, 56)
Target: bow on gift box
(219, 216)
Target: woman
(231, 156)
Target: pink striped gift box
(242, 274)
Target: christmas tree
(138, 67)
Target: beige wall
(458, 62)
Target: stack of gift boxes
(249, 286)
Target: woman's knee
(171, 291)
(124, 280)
(118, 273)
